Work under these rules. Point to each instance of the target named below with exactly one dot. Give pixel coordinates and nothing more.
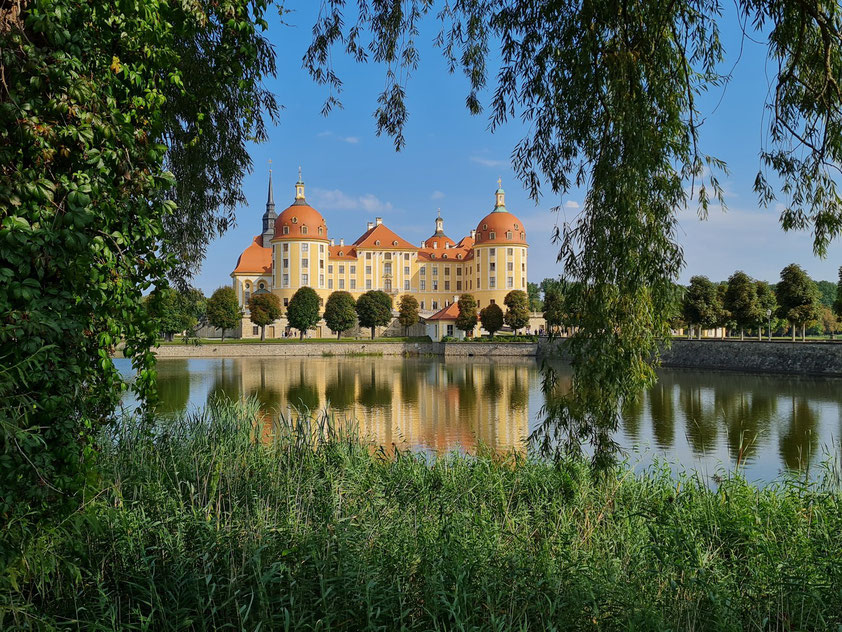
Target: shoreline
(750, 356)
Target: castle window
(492, 267)
(492, 283)
(330, 269)
(458, 256)
(321, 247)
(321, 264)
(432, 256)
(444, 256)
(435, 270)
(286, 281)
(516, 226)
(485, 226)
(458, 271)
(406, 256)
(286, 246)
(522, 236)
(255, 330)
(353, 284)
(377, 243)
(286, 263)
(492, 252)
(368, 284)
(422, 270)
(353, 269)
(510, 282)
(305, 263)
(523, 282)
(406, 286)
(341, 269)
(510, 266)
(492, 235)
(395, 242)
(458, 286)
(368, 269)
(423, 285)
(294, 220)
(422, 305)
(262, 286)
(322, 281)
(368, 255)
(447, 285)
(510, 251)
(286, 230)
(406, 270)
(435, 305)
(341, 254)
(286, 302)
(341, 284)
(320, 230)
(508, 234)
(303, 230)
(435, 286)
(447, 271)
(305, 247)
(387, 256)
(305, 279)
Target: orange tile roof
(445, 254)
(388, 239)
(255, 259)
(348, 252)
(448, 313)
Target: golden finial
(499, 183)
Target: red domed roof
(500, 227)
(300, 221)
(439, 241)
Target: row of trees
(744, 303)
(492, 316)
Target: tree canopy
(340, 313)
(491, 317)
(741, 301)
(467, 318)
(374, 309)
(223, 310)
(303, 310)
(553, 308)
(264, 309)
(176, 312)
(517, 309)
(798, 297)
(837, 304)
(407, 311)
(701, 303)
(609, 96)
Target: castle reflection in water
(767, 423)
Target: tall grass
(211, 524)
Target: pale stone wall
(210, 350)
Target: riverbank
(749, 356)
(202, 528)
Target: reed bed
(206, 524)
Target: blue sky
(451, 161)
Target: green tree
(167, 308)
(612, 91)
(374, 309)
(467, 318)
(837, 304)
(119, 124)
(701, 304)
(517, 309)
(340, 314)
(741, 301)
(554, 308)
(223, 310)
(767, 305)
(491, 317)
(264, 309)
(534, 293)
(797, 298)
(303, 310)
(407, 311)
(827, 293)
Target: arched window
(320, 230)
(485, 226)
(395, 242)
(286, 230)
(341, 253)
(508, 234)
(303, 230)
(377, 243)
(522, 236)
(294, 220)
(444, 256)
(492, 235)
(261, 286)
(516, 226)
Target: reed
(213, 521)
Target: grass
(286, 341)
(203, 527)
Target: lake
(698, 420)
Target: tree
(767, 305)
(340, 314)
(701, 304)
(797, 298)
(374, 309)
(741, 301)
(118, 128)
(168, 311)
(303, 310)
(223, 310)
(264, 309)
(407, 311)
(534, 293)
(467, 318)
(610, 91)
(837, 304)
(553, 308)
(491, 317)
(517, 309)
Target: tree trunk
(263, 333)
(700, 332)
(803, 332)
(338, 334)
(223, 334)
(742, 333)
(301, 334)
(372, 333)
(760, 333)
(793, 332)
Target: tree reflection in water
(374, 394)
(227, 380)
(798, 444)
(340, 391)
(662, 412)
(519, 391)
(173, 387)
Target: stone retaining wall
(316, 349)
(505, 349)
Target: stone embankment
(814, 358)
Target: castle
(294, 251)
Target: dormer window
(458, 256)
(508, 234)
(303, 230)
(432, 256)
(341, 253)
(444, 256)
(492, 235)
(294, 220)
(262, 286)
(395, 242)
(522, 236)
(484, 226)
(377, 243)
(321, 230)
(286, 230)
(516, 226)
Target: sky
(451, 162)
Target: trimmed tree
(766, 302)
(303, 310)
(701, 305)
(374, 309)
(407, 311)
(340, 314)
(467, 319)
(491, 318)
(263, 310)
(741, 301)
(534, 293)
(517, 309)
(553, 308)
(798, 298)
(223, 310)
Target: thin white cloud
(487, 162)
(437, 195)
(336, 200)
(353, 140)
(571, 204)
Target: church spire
(269, 216)
(439, 224)
(500, 198)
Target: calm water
(699, 420)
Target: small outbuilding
(443, 323)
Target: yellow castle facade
(294, 250)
